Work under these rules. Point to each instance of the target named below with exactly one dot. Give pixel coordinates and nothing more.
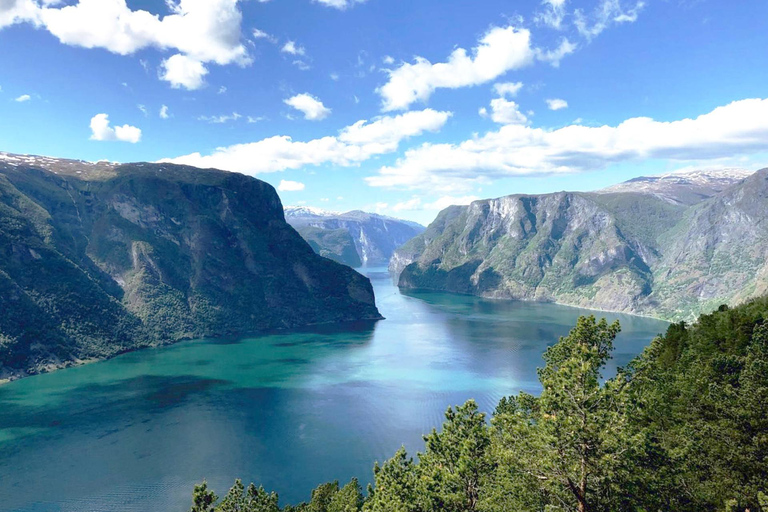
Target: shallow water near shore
(288, 411)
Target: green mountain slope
(98, 259)
(336, 244)
(626, 251)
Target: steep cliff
(98, 259)
(635, 251)
(376, 237)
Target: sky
(400, 107)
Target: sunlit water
(289, 411)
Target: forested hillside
(98, 259)
(684, 428)
(663, 247)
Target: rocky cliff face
(98, 259)
(375, 237)
(620, 251)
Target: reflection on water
(288, 410)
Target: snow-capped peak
(307, 211)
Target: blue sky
(395, 106)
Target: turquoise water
(289, 411)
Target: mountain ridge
(102, 258)
(622, 251)
(375, 237)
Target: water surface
(289, 411)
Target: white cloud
(446, 201)
(164, 112)
(260, 34)
(255, 119)
(605, 14)
(101, 130)
(292, 48)
(508, 89)
(222, 90)
(220, 119)
(500, 50)
(204, 31)
(18, 11)
(505, 111)
(416, 204)
(143, 109)
(556, 104)
(406, 206)
(737, 129)
(23, 98)
(354, 144)
(339, 4)
(182, 71)
(388, 60)
(553, 13)
(290, 186)
(554, 57)
(312, 108)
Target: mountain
(375, 237)
(101, 258)
(335, 244)
(683, 187)
(633, 250)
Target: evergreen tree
(395, 486)
(456, 462)
(203, 499)
(568, 442)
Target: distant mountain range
(669, 246)
(354, 238)
(99, 258)
(688, 187)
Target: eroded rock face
(374, 237)
(623, 251)
(97, 260)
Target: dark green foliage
(96, 260)
(325, 498)
(457, 461)
(705, 389)
(203, 499)
(684, 428)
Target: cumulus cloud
(200, 31)
(312, 108)
(354, 144)
(556, 104)
(508, 89)
(292, 48)
(500, 50)
(23, 98)
(290, 186)
(18, 11)
(182, 71)
(737, 129)
(504, 111)
(101, 130)
(164, 112)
